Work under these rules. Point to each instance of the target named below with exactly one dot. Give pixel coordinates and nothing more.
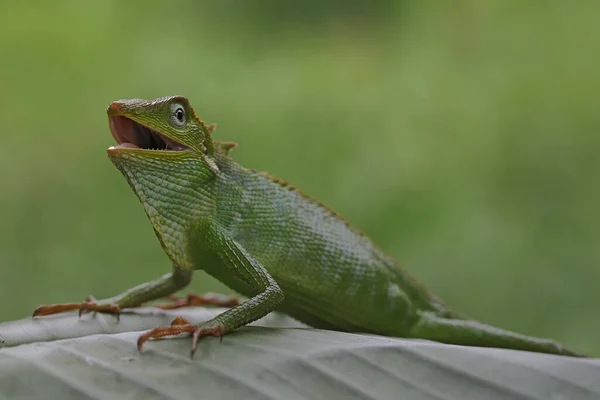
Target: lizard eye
(178, 115)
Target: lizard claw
(88, 306)
(55, 309)
(217, 331)
(85, 306)
(181, 325)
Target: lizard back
(313, 253)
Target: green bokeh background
(462, 136)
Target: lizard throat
(132, 135)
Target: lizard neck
(175, 190)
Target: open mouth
(132, 135)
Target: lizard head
(166, 153)
(155, 128)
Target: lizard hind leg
(192, 299)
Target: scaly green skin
(273, 244)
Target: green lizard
(267, 241)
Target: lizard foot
(213, 299)
(181, 325)
(86, 306)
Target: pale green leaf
(274, 359)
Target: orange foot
(212, 299)
(85, 306)
(181, 325)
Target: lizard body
(267, 241)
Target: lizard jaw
(130, 134)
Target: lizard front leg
(161, 287)
(242, 267)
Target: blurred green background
(462, 136)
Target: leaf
(273, 359)
(68, 325)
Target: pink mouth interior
(132, 135)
